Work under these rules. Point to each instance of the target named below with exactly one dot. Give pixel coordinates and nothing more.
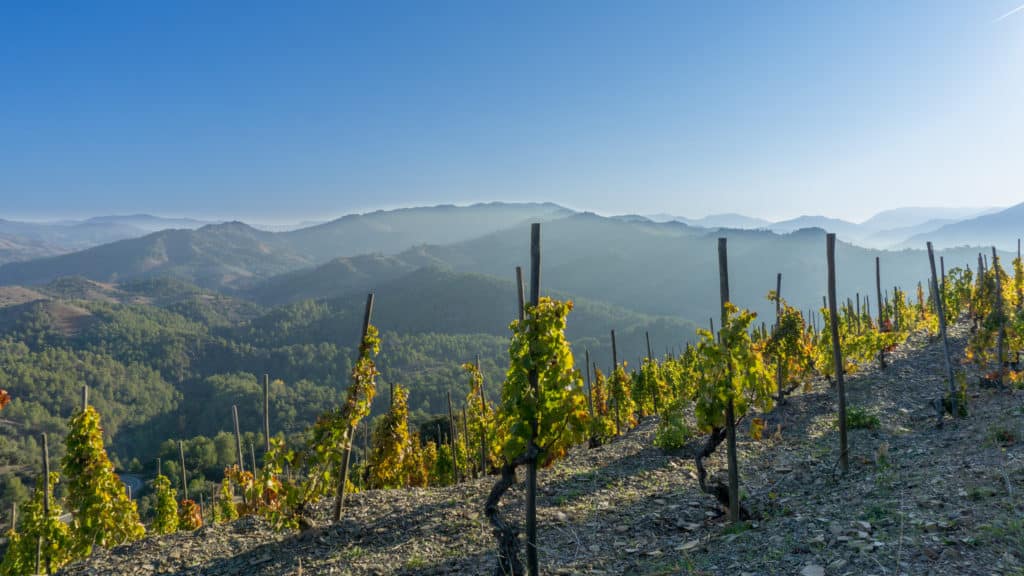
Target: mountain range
(658, 268)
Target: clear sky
(295, 110)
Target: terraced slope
(946, 501)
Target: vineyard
(875, 435)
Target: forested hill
(166, 359)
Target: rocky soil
(917, 500)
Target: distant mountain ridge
(1001, 229)
(234, 255)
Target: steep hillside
(917, 501)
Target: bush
(861, 418)
(673, 432)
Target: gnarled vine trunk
(719, 490)
(509, 563)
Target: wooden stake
(878, 293)
(590, 389)
(615, 367)
(85, 397)
(483, 412)
(46, 506)
(942, 331)
(252, 456)
(238, 438)
(531, 471)
(465, 432)
(778, 318)
(346, 459)
(837, 353)
(266, 411)
(1001, 338)
(730, 417)
(184, 473)
(452, 440)
(520, 290)
(942, 275)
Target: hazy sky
(292, 110)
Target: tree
(558, 406)
(103, 515)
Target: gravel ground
(917, 500)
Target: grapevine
(103, 515)
(165, 519)
(558, 406)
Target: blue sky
(288, 111)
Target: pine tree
(103, 514)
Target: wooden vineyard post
(656, 398)
(856, 318)
(252, 456)
(520, 290)
(878, 295)
(46, 508)
(939, 306)
(452, 441)
(615, 366)
(14, 516)
(467, 441)
(85, 397)
(837, 353)
(184, 473)
(266, 411)
(590, 390)
(730, 416)
(778, 317)
(531, 470)
(483, 432)
(238, 450)
(238, 439)
(346, 458)
(1001, 337)
(897, 301)
(942, 274)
